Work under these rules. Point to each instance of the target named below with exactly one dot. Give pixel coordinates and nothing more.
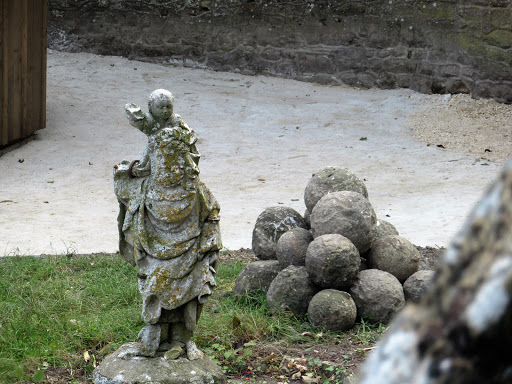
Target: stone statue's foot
(193, 353)
(149, 338)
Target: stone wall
(439, 46)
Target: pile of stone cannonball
(335, 263)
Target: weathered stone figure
(168, 227)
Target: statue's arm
(137, 117)
(143, 167)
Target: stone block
(500, 38)
(119, 369)
(316, 63)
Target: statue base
(119, 369)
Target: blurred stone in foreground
(461, 330)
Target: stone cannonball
(332, 261)
(384, 228)
(348, 214)
(333, 310)
(331, 179)
(416, 285)
(378, 295)
(292, 246)
(291, 290)
(269, 227)
(256, 276)
(307, 216)
(396, 255)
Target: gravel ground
(479, 127)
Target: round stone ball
(307, 219)
(256, 276)
(396, 255)
(332, 261)
(292, 246)
(333, 310)
(384, 228)
(331, 179)
(416, 285)
(378, 295)
(291, 290)
(348, 214)
(270, 226)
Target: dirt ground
(425, 159)
(480, 127)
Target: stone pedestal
(120, 368)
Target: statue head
(161, 104)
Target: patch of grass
(54, 309)
(63, 314)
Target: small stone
(331, 179)
(291, 290)
(396, 255)
(416, 285)
(270, 225)
(332, 310)
(173, 353)
(292, 246)
(332, 261)
(256, 276)
(378, 295)
(348, 214)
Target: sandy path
(60, 198)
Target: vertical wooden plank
(14, 110)
(22, 68)
(43, 47)
(35, 48)
(25, 129)
(5, 81)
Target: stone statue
(169, 227)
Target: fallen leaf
(270, 357)
(261, 179)
(87, 357)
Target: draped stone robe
(168, 223)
